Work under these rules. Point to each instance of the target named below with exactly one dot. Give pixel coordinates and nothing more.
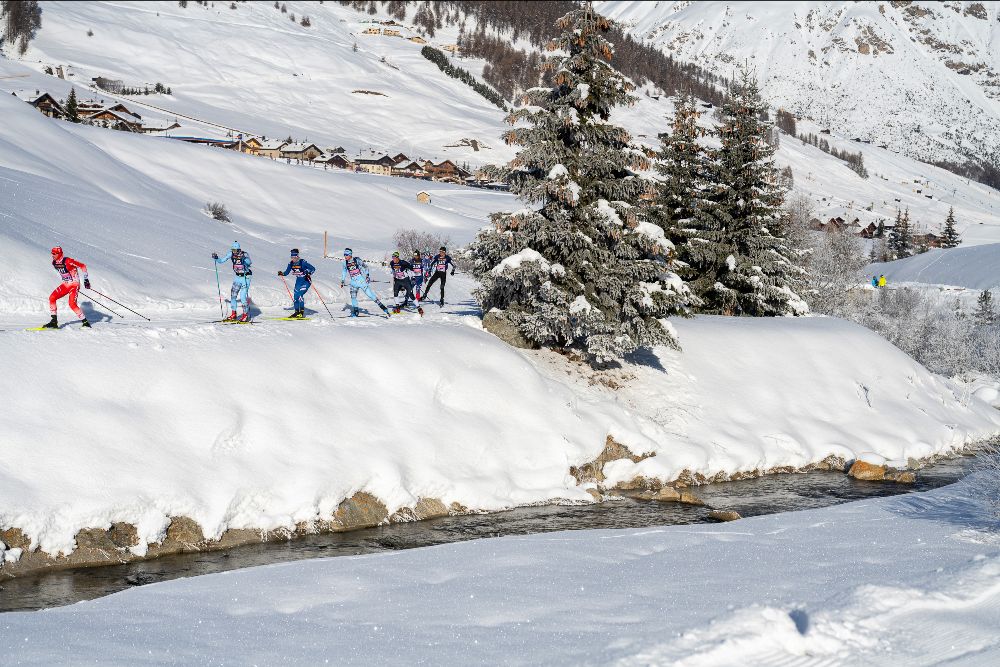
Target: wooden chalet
(380, 165)
(408, 168)
(424, 197)
(446, 170)
(399, 157)
(152, 129)
(115, 120)
(869, 231)
(301, 151)
(251, 145)
(338, 160)
(271, 148)
(48, 106)
(928, 240)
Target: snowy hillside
(920, 77)
(975, 268)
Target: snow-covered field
(975, 267)
(911, 579)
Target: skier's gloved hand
(215, 255)
(341, 284)
(281, 273)
(86, 283)
(453, 272)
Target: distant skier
(240, 291)
(875, 282)
(356, 273)
(402, 283)
(439, 264)
(302, 270)
(881, 281)
(69, 271)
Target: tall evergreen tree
(984, 308)
(901, 236)
(72, 110)
(749, 265)
(950, 237)
(21, 21)
(584, 270)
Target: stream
(765, 495)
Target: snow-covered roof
(297, 148)
(272, 144)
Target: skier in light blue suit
(302, 270)
(356, 273)
(240, 291)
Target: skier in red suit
(69, 270)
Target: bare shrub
(408, 240)
(218, 211)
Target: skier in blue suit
(302, 270)
(356, 272)
(241, 281)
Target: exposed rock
(496, 324)
(668, 494)
(596, 495)
(183, 532)
(901, 476)
(362, 510)
(724, 515)
(870, 472)
(639, 483)
(95, 538)
(458, 508)
(235, 537)
(430, 508)
(831, 462)
(594, 470)
(123, 535)
(14, 538)
(690, 498)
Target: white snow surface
(911, 579)
(274, 424)
(973, 267)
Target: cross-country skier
(402, 283)
(439, 264)
(421, 265)
(356, 272)
(241, 281)
(69, 270)
(302, 270)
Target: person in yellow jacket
(881, 281)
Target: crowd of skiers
(411, 281)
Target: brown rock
(95, 538)
(496, 324)
(14, 538)
(668, 494)
(867, 471)
(429, 508)
(458, 508)
(123, 535)
(184, 532)
(362, 510)
(594, 470)
(724, 515)
(596, 495)
(901, 476)
(690, 498)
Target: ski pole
(285, 283)
(103, 305)
(316, 289)
(218, 286)
(121, 304)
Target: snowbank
(276, 424)
(903, 580)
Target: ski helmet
(236, 245)
(348, 252)
(57, 252)
(395, 254)
(295, 252)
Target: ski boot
(85, 324)
(395, 310)
(298, 315)
(232, 317)
(245, 317)
(441, 303)
(53, 324)
(354, 312)
(420, 310)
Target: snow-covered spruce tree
(984, 313)
(901, 236)
(583, 270)
(680, 203)
(949, 236)
(747, 267)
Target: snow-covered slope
(921, 77)
(977, 267)
(911, 580)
